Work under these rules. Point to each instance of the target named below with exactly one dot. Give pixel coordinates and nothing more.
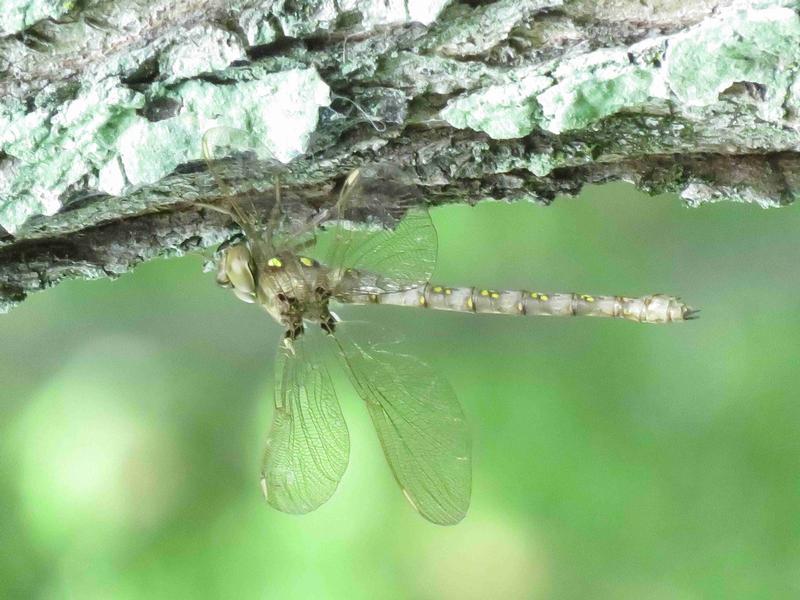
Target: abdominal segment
(654, 308)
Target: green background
(611, 459)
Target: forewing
(242, 153)
(399, 241)
(308, 445)
(420, 425)
(243, 169)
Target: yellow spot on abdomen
(587, 297)
(305, 261)
(484, 292)
(494, 295)
(470, 303)
(448, 291)
(275, 262)
(422, 300)
(437, 289)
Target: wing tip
(445, 517)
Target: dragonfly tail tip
(691, 314)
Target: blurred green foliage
(612, 460)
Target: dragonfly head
(235, 270)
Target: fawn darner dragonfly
(281, 267)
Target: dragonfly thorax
(289, 287)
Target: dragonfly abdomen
(654, 308)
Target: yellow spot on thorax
(305, 261)
(275, 262)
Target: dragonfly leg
(236, 238)
(295, 331)
(318, 220)
(306, 244)
(292, 304)
(308, 228)
(289, 345)
(328, 323)
(327, 319)
(218, 209)
(274, 214)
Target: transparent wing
(238, 160)
(420, 426)
(399, 241)
(244, 170)
(249, 178)
(308, 445)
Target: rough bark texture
(103, 106)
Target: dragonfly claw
(288, 344)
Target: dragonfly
(283, 268)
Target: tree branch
(102, 110)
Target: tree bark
(103, 106)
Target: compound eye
(222, 276)
(237, 269)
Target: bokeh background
(611, 460)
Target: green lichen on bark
(755, 45)
(101, 133)
(685, 74)
(16, 15)
(103, 105)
